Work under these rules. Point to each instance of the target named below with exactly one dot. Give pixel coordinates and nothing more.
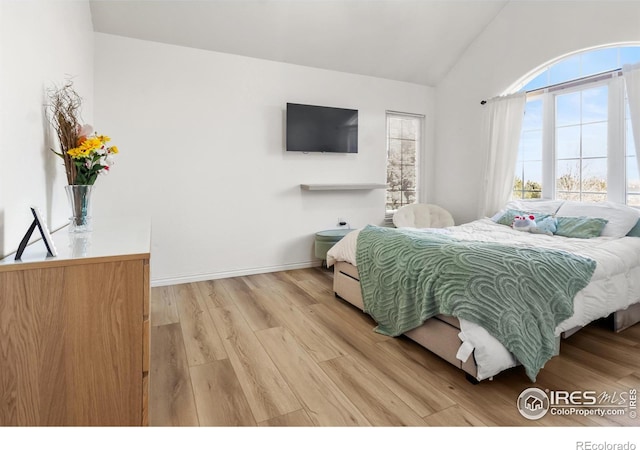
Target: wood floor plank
(289, 290)
(483, 400)
(297, 418)
(422, 397)
(201, 339)
(632, 333)
(162, 306)
(606, 348)
(454, 416)
(596, 363)
(325, 403)
(171, 401)
(315, 341)
(376, 402)
(219, 398)
(253, 310)
(213, 293)
(265, 389)
(632, 381)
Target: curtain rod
(578, 81)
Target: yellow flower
(104, 138)
(86, 148)
(114, 149)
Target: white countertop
(111, 237)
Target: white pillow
(621, 218)
(531, 206)
(541, 206)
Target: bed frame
(440, 333)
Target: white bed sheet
(614, 285)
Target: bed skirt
(438, 334)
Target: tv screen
(321, 129)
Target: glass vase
(79, 196)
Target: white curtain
(631, 75)
(502, 125)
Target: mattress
(615, 284)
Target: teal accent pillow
(509, 214)
(580, 227)
(635, 231)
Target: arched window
(576, 141)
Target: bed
(611, 289)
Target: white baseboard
(156, 282)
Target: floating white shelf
(343, 187)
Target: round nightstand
(327, 239)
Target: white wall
(202, 152)
(40, 43)
(522, 37)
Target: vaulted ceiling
(416, 41)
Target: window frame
(616, 144)
(418, 155)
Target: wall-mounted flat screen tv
(321, 129)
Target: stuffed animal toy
(547, 226)
(524, 223)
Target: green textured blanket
(519, 295)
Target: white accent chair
(422, 215)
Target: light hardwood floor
(280, 349)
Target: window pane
(539, 81)
(408, 178)
(595, 104)
(568, 175)
(565, 70)
(532, 115)
(568, 142)
(408, 197)
(588, 197)
(568, 196)
(395, 127)
(598, 61)
(408, 152)
(409, 130)
(633, 178)
(395, 155)
(629, 55)
(594, 175)
(394, 177)
(531, 146)
(633, 200)
(568, 109)
(532, 179)
(594, 140)
(394, 200)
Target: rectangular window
(403, 147)
(581, 123)
(574, 146)
(528, 181)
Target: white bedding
(614, 286)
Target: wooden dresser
(74, 329)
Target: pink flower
(85, 130)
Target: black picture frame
(38, 222)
